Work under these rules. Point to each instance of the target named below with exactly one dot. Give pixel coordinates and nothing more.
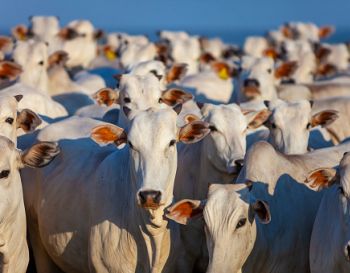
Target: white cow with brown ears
(277, 180)
(330, 240)
(121, 194)
(14, 254)
(217, 158)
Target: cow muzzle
(149, 199)
(251, 88)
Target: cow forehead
(299, 111)
(6, 146)
(153, 126)
(226, 117)
(8, 105)
(146, 84)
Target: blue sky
(204, 15)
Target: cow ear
(256, 119)
(106, 96)
(193, 132)
(321, 178)
(190, 118)
(59, 57)
(28, 120)
(271, 53)
(262, 210)
(221, 69)
(185, 210)
(9, 70)
(39, 155)
(325, 32)
(285, 69)
(174, 96)
(324, 118)
(20, 32)
(176, 72)
(107, 134)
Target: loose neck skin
(14, 253)
(141, 237)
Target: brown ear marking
(175, 96)
(325, 31)
(68, 33)
(176, 72)
(193, 132)
(287, 32)
(259, 119)
(40, 154)
(5, 43)
(190, 118)
(326, 70)
(184, 210)
(28, 120)
(206, 58)
(322, 53)
(270, 52)
(107, 134)
(286, 69)
(321, 178)
(9, 70)
(324, 118)
(106, 96)
(59, 57)
(20, 32)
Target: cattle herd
(182, 154)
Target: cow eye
(127, 100)
(269, 70)
(273, 125)
(4, 173)
(241, 223)
(213, 128)
(9, 120)
(41, 63)
(172, 142)
(308, 126)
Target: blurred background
(230, 19)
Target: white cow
(121, 194)
(278, 180)
(330, 240)
(14, 254)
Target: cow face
(230, 226)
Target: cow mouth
(251, 91)
(150, 205)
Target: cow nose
(347, 251)
(251, 83)
(150, 197)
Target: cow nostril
(150, 196)
(347, 251)
(251, 83)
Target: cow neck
(210, 174)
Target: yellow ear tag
(223, 74)
(110, 55)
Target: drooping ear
(106, 96)
(174, 96)
(39, 155)
(285, 69)
(271, 53)
(262, 210)
(20, 32)
(107, 134)
(68, 33)
(59, 57)
(325, 31)
(193, 132)
(28, 120)
(256, 119)
(324, 118)
(185, 210)
(10, 70)
(5, 43)
(321, 178)
(176, 72)
(326, 70)
(190, 118)
(322, 53)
